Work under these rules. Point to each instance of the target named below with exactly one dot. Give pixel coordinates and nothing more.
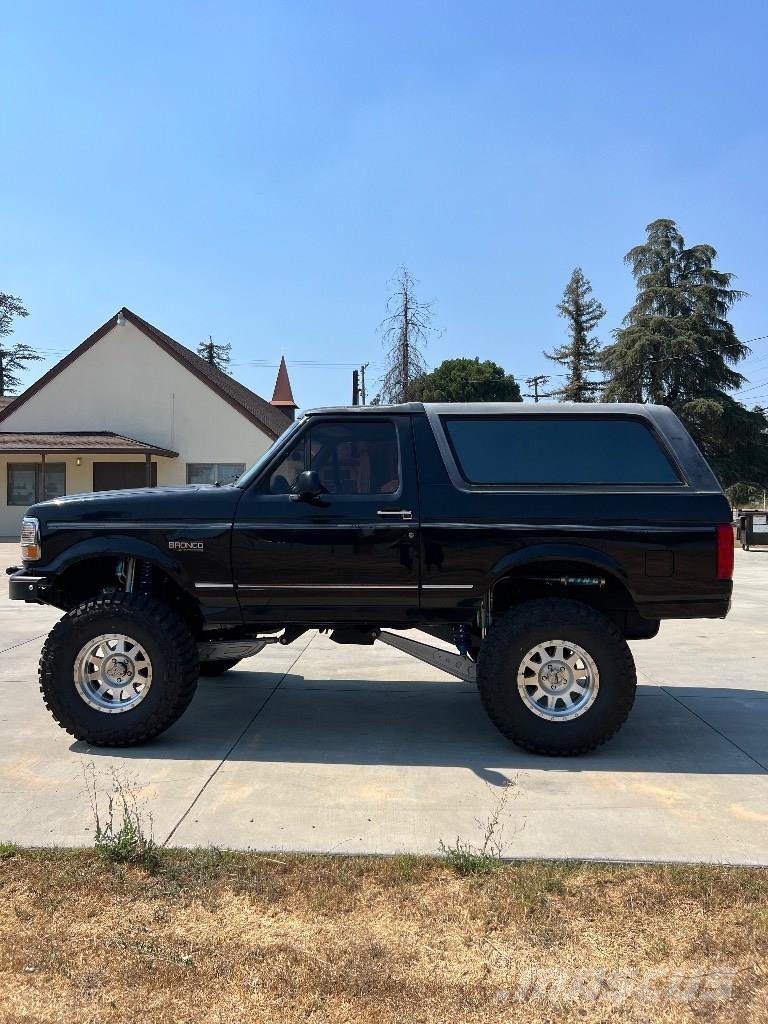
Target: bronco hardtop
(535, 539)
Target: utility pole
(355, 387)
(536, 383)
(363, 368)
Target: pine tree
(677, 348)
(216, 355)
(581, 355)
(676, 345)
(405, 331)
(13, 358)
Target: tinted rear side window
(557, 450)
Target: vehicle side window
(557, 450)
(354, 457)
(283, 477)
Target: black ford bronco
(536, 540)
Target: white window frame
(231, 470)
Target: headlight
(30, 539)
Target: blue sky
(258, 171)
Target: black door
(117, 476)
(355, 548)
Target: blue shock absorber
(461, 639)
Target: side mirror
(308, 486)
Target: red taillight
(724, 551)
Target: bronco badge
(186, 545)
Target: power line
(755, 387)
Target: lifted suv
(536, 539)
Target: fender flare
(120, 547)
(539, 553)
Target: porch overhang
(67, 442)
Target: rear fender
(529, 557)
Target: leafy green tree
(467, 380)
(217, 355)
(677, 347)
(747, 495)
(581, 355)
(734, 439)
(13, 358)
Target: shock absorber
(461, 639)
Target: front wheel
(556, 677)
(118, 669)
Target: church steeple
(282, 397)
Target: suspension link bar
(454, 664)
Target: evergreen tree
(405, 331)
(467, 380)
(13, 358)
(677, 347)
(581, 355)
(676, 344)
(217, 355)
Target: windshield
(255, 469)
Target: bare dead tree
(405, 332)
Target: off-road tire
(519, 630)
(218, 668)
(172, 651)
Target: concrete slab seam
(716, 730)
(239, 737)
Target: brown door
(117, 476)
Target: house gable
(123, 380)
(270, 420)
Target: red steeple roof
(283, 396)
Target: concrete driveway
(363, 750)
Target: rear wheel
(118, 669)
(556, 677)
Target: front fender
(119, 547)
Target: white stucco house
(131, 407)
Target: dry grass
(208, 936)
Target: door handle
(400, 513)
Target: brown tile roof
(6, 400)
(76, 443)
(270, 419)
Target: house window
(29, 482)
(214, 472)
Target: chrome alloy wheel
(113, 673)
(557, 680)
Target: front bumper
(27, 585)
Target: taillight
(724, 551)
